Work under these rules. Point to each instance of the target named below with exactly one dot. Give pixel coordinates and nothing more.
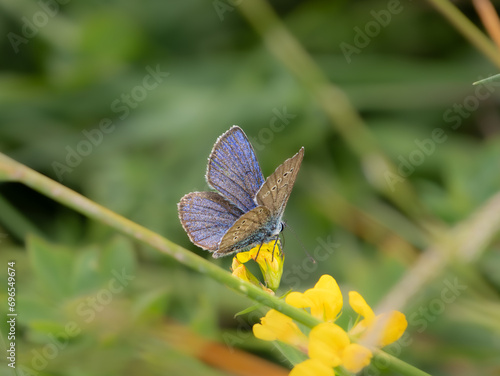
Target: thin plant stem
(13, 171)
(468, 30)
(397, 364)
(463, 244)
(495, 77)
(489, 18)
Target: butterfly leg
(274, 245)
(257, 255)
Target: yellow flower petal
(312, 367)
(360, 306)
(244, 256)
(324, 299)
(328, 298)
(355, 357)
(298, 300)
(395, 325)
(327, 342)
(235, 263)
(325, 304)
(263, 332)
(277, 326)
(241, 271)
(327, 282)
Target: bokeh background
(122, 102)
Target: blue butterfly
(246, 210)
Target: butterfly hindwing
(250, 229)
(233, 169)
(206, 217)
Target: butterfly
(245, 210)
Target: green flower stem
(336, 105)
(10, 170)
(468, 30)
(396, 364)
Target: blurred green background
(122, 102)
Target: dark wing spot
(273, 188)
(285, 174)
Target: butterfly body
(246, 210)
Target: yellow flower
(324, 299)
(380, 330)
(277, 326)
(329, 345)
(327, 342)
(312, 367)
(270, 260)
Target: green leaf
(292, 355)
(87, 275)
(52, 266)
(118, 256)
(151, 306)
(248, 310)
(46, 326)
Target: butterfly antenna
(301, 244)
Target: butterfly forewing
(206, 217)
(277, 188)
(233, 169)
(250, 229)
